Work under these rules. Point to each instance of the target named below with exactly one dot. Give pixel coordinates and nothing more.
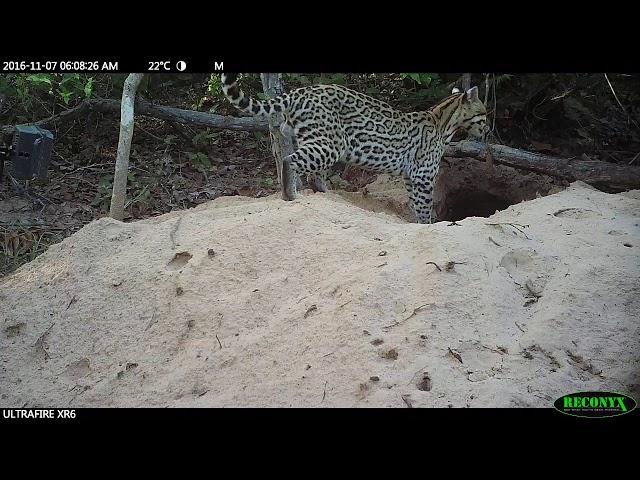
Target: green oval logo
(595, 404)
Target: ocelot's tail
(251, 105)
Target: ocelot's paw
(290, 193)
(317, 184)
(290, 196)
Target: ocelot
(331, 123)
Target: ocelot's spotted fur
(332, 123)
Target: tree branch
(143, 107)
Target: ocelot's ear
(472, 95)
(455, 90)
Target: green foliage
(213, 91)
(202, 139)
(103, 195)
(422, 79)
(102, 199)
(61, 86)
(263, 139)
(267, 182)
(503, 78)
(70, 85)
(16, 86)
(428, 86)
(117, 80)
(170, 139)
(297, 79)
(88, 88)
(40, 79)
(305, 80)
(200, 161)
(214, 85)
(417, 87)
(142, 198)
(334, 78)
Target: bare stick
(486, 89)
(614, 93)
(73, 299)
(466, 81)
(415, 312)
(494, 242)
(619, 102)
(514, 225)
(435, 264)
(495, 103)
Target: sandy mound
(259, 302)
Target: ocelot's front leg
(421, 198)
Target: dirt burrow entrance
(464, 188)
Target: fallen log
(203, 119)
(142, 107)
(609, 176)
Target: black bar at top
(314, 62)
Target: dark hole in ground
(467, 202)
(474, 189)
(462, 190)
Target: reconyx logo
(595, 404)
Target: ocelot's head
(463, 113)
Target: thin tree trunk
(119, 193)
(466, 81)
(281, 143)
(486, 89)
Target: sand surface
(320, 303)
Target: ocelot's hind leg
(310, 159)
